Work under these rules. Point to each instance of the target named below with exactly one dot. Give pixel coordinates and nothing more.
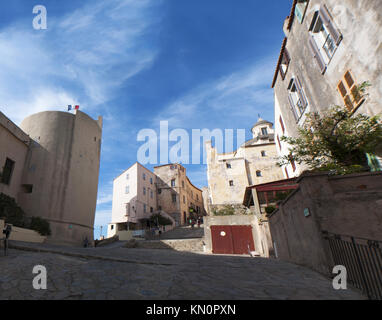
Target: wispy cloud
(83, 57)
(235, 97)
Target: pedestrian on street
(199, 222)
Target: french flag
(70, 107)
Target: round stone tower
(61, 172)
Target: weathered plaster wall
(345, 205)
(360, 52)
(13, 145)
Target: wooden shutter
(301, 93)
(327, 20)
(286, 171)
(292, 107)
(349, 92)
(278, 140)
(316, 54)
(282, 124)
(285, 61)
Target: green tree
(159, 219)
(336, 140)
(225, 211)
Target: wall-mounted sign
(306, 212)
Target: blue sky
(195, 63)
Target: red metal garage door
(232, 239)
(242, 237)
(221, 239)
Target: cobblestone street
(121, 273)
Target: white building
(134, 197)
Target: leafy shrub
(158, 218)
(13, 214)
(226, 211)
(40, 225)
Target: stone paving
(121, 273)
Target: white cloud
(105, 198)
(81, 58)
(232, 98)
(103, 217)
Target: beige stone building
(176, 194)
(253, 163)
(51, 166)
(139, 193)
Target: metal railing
(362, 259)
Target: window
(348, 89)
(300, 10)
(151, 209)
(263, 154)
(144, 191)
(127, 176)
(284, 65)
(144, 176)
(151, 180)
(231, 183)
(197, 197)
(264, 131)
(282, 124)
(174, 197)
(184, 199)
(228, 165)
(7, 171)
(160, 208)
(127, 190)
(173, 183)
(151, 194)
(112, 227)
(324, 37)
(182, 184)
(159, 191)
(27, 188)
(258, 173)
(297, 99)
(278, 140)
